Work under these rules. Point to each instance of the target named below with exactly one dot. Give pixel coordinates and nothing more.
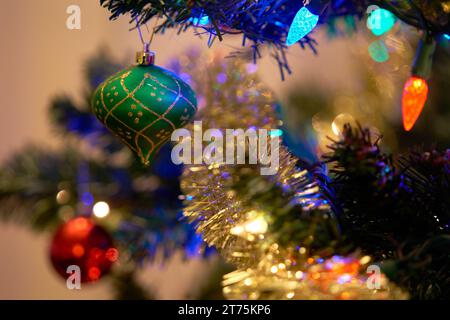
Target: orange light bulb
(415, 95)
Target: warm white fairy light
(256, 226)
(100, 209)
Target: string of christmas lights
(282, 23)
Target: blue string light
(303, 23)
(276, 133)
(202, 20)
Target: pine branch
(394, 210)
(268, 21)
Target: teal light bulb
(380, 21)
(303, 23)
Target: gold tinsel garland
(239, 232)
(231, 96)
(336, 278)
(212, 204)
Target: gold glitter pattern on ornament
(149, 126)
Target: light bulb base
(423, 61)
(318, 7)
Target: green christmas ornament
(143, 105)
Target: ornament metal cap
(145, 57)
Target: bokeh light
(100, 209)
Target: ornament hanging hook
(145, 57)
(152, 33)
(138, 27)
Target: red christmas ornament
(415, 95)
(82, 243)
